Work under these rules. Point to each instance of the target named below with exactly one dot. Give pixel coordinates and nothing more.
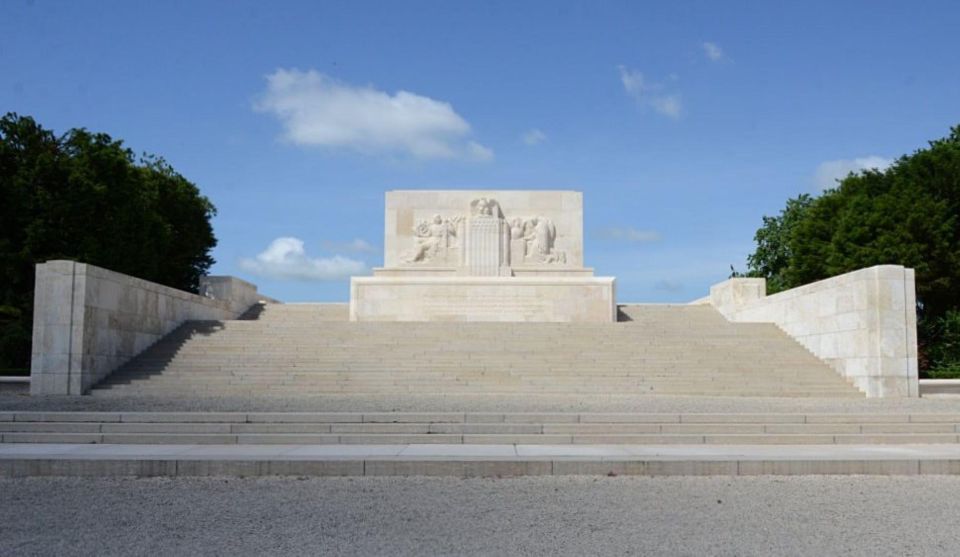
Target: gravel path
(530, 516)
(478, 403)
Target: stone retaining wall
(862, 323)
(88, 321)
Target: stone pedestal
(483, 256)
(550, 299)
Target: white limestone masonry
(88, 321)
(863, 323)
(409, 214)
(483, 255)
(510, 299)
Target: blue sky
(682, 122)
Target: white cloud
(651, 94)
(668, 105)
(317, 110)
(534, 137)
(829, 172)
(713, 51)
(633, 81)
(629, 234)
(478, 152)
(356, 245)
(285, 258)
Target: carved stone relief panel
(438, 241)
(533, 241)
(471, 232)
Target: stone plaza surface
(538, 515)
(460, 255)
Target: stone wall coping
(122, 279)
(892, 272)
(88, 320)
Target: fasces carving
(486, 243)
(485, 246)
(437, 240)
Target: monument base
(505, 299)
(425, 271)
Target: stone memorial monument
(483, 256)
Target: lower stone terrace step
(471, 461)
(453, 428)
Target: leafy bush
(944, 351)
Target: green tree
(84, 196)
(772, 257)
(908, 214)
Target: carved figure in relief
(516, 229)
(539, 235)
(544, 235)
(434, 238)
(522, 240)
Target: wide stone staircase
(303, 349)
(362, 370)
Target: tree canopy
(908, 214)
(86, 197)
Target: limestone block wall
(862, 323)
(87, 321)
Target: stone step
(443, 386)
(300, 391)
(323, 356)
(381, 417)
(458, 460)
(497, 428)
(479, 438)
(448, 386)
(359, 379)
(468, 373)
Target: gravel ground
(853, 515)
(477, 403)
